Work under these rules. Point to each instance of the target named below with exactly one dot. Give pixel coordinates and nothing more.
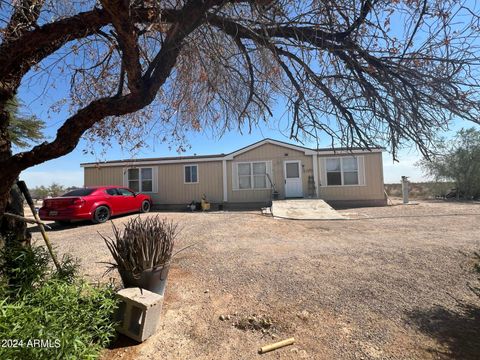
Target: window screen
(293, 170)
(140, 180)
(350, 171)
(259, 175)
(252, 175)
(134, 179)
(342, 171)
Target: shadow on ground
(122, 341)
(458, 330)
(58, 227)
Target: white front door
(293, 178)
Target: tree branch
(120, 14)
(24, 16)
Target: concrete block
(138, 313)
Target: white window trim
(191, 182)
(341, 172)
(140, 179)
(251, 176)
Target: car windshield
(79, 192)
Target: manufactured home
(251, 176)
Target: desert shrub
(457, 160)
(47, 314)
(441, 189)
(143, 244)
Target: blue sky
(41, 93)
(67, 171)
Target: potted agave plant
(143, 251)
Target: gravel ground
(393, 283)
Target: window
(244, 176)
(112, 192)
(80, 192)
(342, 171)
(252, 175)
(125, 192)
(292, 170)
(334, 172)
(259, 175)
(140, 179)
(191, 174)
(350, 171)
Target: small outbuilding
(251, 176)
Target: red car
(97, 204)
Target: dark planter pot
(153, 280)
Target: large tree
(363, 72)
(23, 131)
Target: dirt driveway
(391, 284)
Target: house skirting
(215, 206)
(243, 206)
(345, 204)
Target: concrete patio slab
(304, 209)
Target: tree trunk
(12, 229)
(11, 199)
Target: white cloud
(66, 178)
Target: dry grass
(391, 284)
(425, 190)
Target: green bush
(51, 315)
(22, 268)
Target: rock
(303, 354)
(304, 315)
(227, 317)
(222, 317)
(206, 291)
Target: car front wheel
(101, 214)
(145, 206)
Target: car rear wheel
(101, 214)
(145, 206)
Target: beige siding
(173, 190)
(276, 154)
(98, 176)
(372, 190)
(171, 186)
